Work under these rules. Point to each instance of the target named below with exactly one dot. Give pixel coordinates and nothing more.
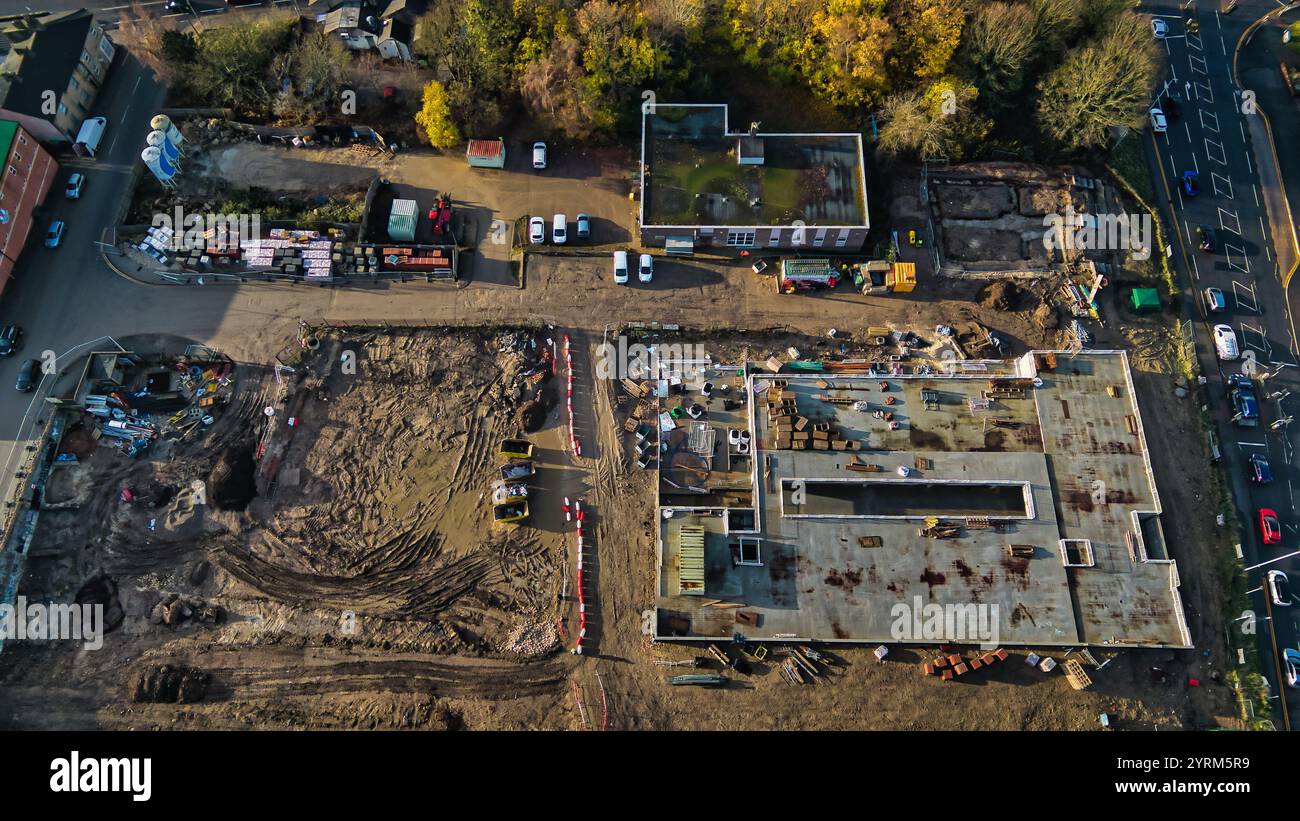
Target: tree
(1097, 15)
(554, 90)
(772, 35)
(617, 57)
(471, 45)
(148, 36)
(929, 32)
(1056, 22)
(940, 121)
(315, 67)
(997, 46)
(844, 58)
(1100, 85)
(434, 117)
(232, 63)
(677, 29)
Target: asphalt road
(1212, 138)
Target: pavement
(1228, 134)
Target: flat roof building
(1013, 501)
(703, 185)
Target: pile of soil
(100, 589)
(1001, 295)
(232, 481)
(532, 414)
(165, 684)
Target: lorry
(90, 136)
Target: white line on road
(1224, 216)
(1222, 185)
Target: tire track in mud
(260, 672)
(474, 454)
(399, 591)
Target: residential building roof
(40, 52)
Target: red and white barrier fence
(568, 373)
(578, 516)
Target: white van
(89, 137)
(559, 229)
(539, 156)
(620, 267)
(1225, 342)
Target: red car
(1269, 527)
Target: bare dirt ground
(340, 572)
(235, 618)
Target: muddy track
(392, 592)
(486, 680)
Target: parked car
(1215, 302)
(73, 191)
(54, 235)
(29, 373)
(539, 156)
(537, 230)
(1246, 408)
(1270, 528)
(584, 225)
(620, 267)
(559, 229)
(1291, 664)
(11, 339)
(1205, 238)
(1225, 343)
(1279, 588)
(1260, 471)
(1158, 122)
(645, 271)
(1159, 28)
(1191, 183)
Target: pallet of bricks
(792, 431)
(782, 413)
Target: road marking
(1222, 185)
(1197, 64)
(1209, 92)
(1224, 216)
(1255, 188)
(1210, 148)
(1252, 444)
(1238, 288)
(1228, 255)
(1213, 123)
(1247, 329)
